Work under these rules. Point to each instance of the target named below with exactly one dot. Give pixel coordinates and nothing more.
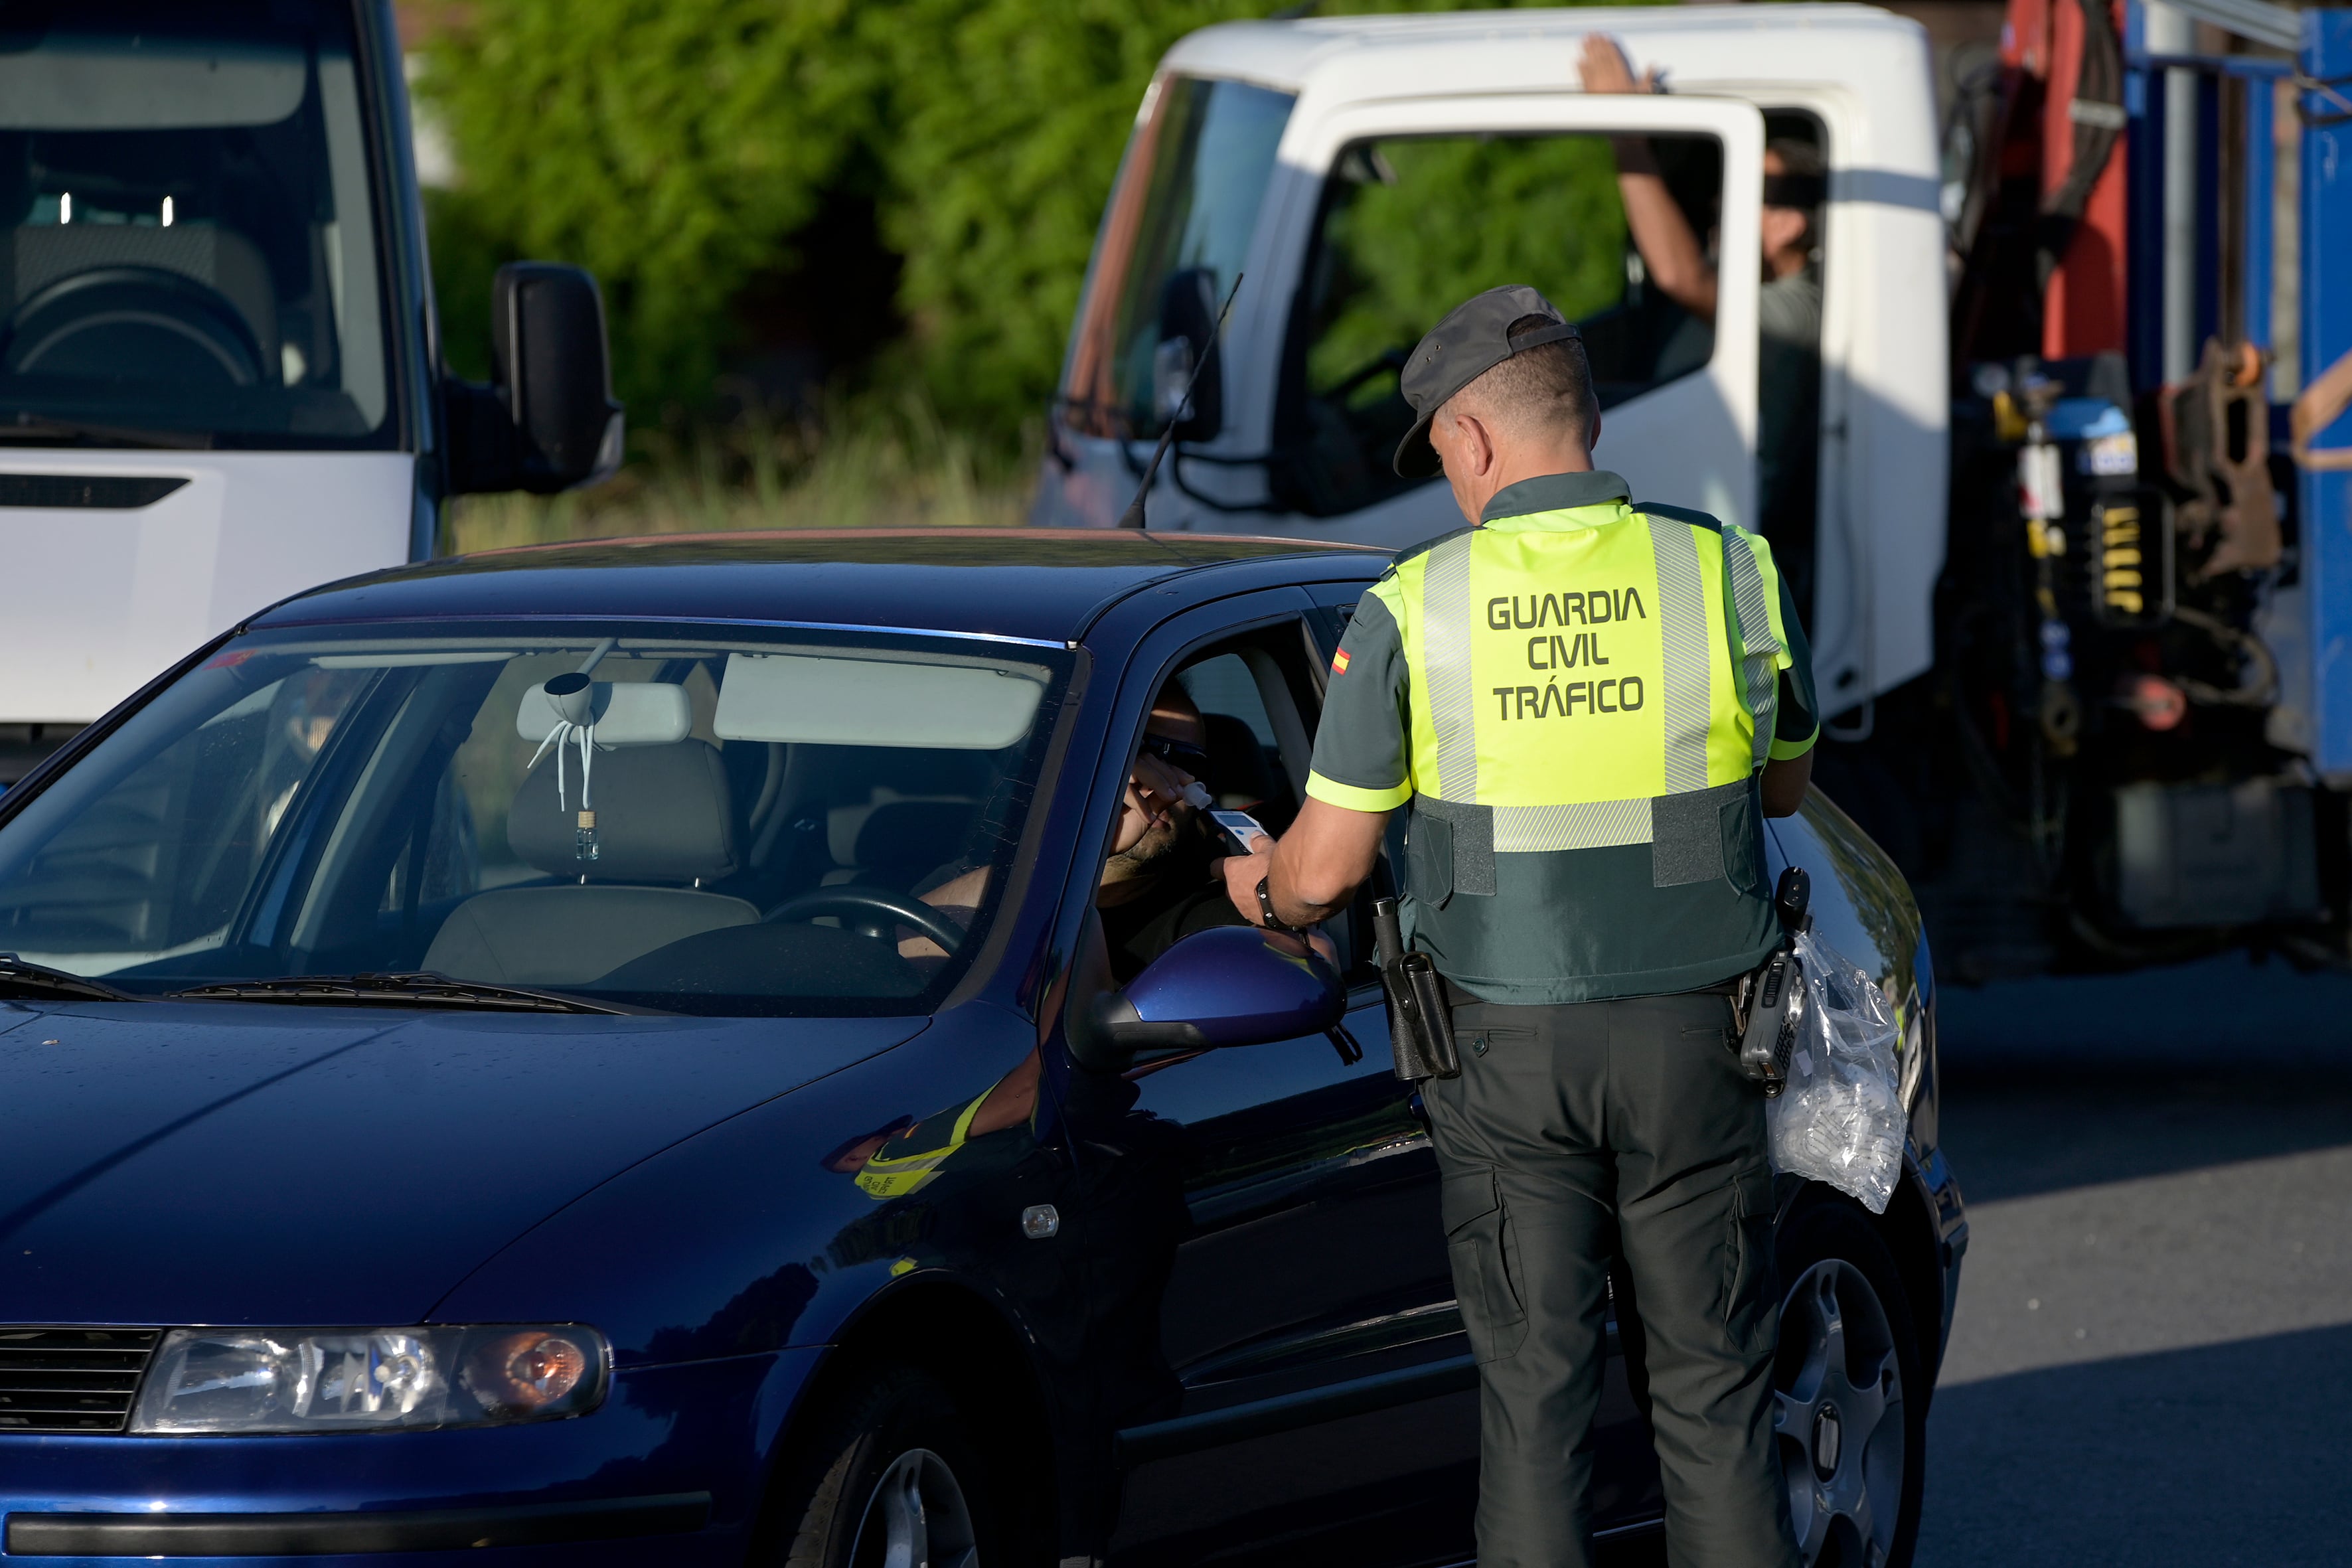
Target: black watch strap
(1265, 907)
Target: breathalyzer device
(1241, 828)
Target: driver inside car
(1160, 882)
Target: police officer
(1587, 707)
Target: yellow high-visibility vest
(1589, 692)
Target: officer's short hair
(1545, 387)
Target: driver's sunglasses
(1178, 754)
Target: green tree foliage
(679, 148)
(1008, 119)
(1427, 223)
(675, 147)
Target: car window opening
(1410, 225)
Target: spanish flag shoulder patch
(1339, 662)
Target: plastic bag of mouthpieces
(1841, 1118)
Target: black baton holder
(1774, 992)
(1421, 1024)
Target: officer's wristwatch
(1265, 907)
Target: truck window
(1188, 198)
(187, 243)
(1410, 227)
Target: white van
(219, 377)
(1361, 176)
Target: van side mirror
(1188, 334)
(1233, 985)
(548, 421)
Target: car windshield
(731, 822)
(188, 242)
(1185, 208)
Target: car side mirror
(548, 421)
(1188, 335)
(1232, 985)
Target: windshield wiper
(20, 978)
(20, 425)
(419, 989)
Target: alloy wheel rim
(1838, 1411)
(916, 1517)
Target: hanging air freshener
(573, 698)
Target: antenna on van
(1133, 516)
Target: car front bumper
(671, 1468)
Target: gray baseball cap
(1473, 338)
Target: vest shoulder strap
(1680, 514)
(1423, 547)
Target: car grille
(70, 1380)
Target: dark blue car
(609, 1053)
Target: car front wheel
(1850, 1398)
(890, 1479)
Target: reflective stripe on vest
(1763, 641)
(1588, 685)
(899, 1175)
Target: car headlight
(343, 1380)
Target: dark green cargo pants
(1579, 1133)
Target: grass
(850, 465)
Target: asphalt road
(2152, 1359)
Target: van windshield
(1182, 215)
(725, 823)
(187, 245)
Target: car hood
(219, 1162)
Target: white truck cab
(220, 377)
(1361, 176)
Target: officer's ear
(1472, 443)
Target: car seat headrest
(624, 713)
(664, 814)
(914, 835)
(1237, 773)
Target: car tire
(889, 1473)
(1849, 1394)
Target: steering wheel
(860, 907)
(172, 328)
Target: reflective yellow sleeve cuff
(1331, 793)
(1782, 750)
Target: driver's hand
(1153, 790)
(1603, 68)
(959, 899)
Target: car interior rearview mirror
(1233, 985)
(548, 420)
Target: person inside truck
(1676, 261)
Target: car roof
(1045, 585)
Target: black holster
(1420, 1023)
(1771, 1001)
